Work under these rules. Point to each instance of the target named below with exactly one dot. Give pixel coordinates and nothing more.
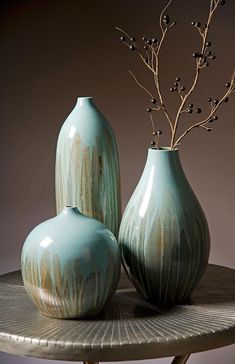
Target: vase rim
(164, 149)
(85, 100)
(69, 208)
(84, 97)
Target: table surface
(127, 329)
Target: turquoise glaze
(87, 166)
(70, 265)
(164, 236)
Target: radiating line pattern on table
(128, 328)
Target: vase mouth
(164, 149)
(84, 97)
(69, 208)
(85, 100)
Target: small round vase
(87, 166)
(164, 236)
(70, 265)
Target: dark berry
(149, 41)
(149, 110)
(193, 23)
(189, 111)
(209, 99)
(228, 84)
(197, 24)
(195, 55)
(198, 110)
(145, 47)
(153, 143)
(222, 2)
(177, 79)
(209, 129)
(215, 102)
(132, 39)
(208, 53)
(172, 89)
(153, 101)
(226, 99)
(154, 40)
(182, 88)
(215, 117)
(176, 84)
(213, 57)
(208, 44)
(144, 39)
(159, 132)
(166, 18)
(190, 105)
(122, 38)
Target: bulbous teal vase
(164, 236)
(87, 166)
(70, 265)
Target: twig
(139, 84)
(213, 7)
(202, 123)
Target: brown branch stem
(213, 7)
(213, 110)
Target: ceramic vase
(70, 265)
(164, 236)
(87, 166)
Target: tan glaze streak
(65, 294)
(173, 262)
(89, 179)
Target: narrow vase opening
(69, 208)
(85, 100)
(164, 149)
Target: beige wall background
(52, 52)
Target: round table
(127, 329)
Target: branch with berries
(149, 53)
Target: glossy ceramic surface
(70, 265)
(87, 166)
(164, 236)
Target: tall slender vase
(87, 166)
(164, 236)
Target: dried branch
(203, 123)
(139, 84)
(199, 66)
(150, 55)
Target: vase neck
(85, 101)
(163, 162)
(70, 210)
(164, 156)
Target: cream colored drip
(89, 179)
(156, 242)
(66, 293)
